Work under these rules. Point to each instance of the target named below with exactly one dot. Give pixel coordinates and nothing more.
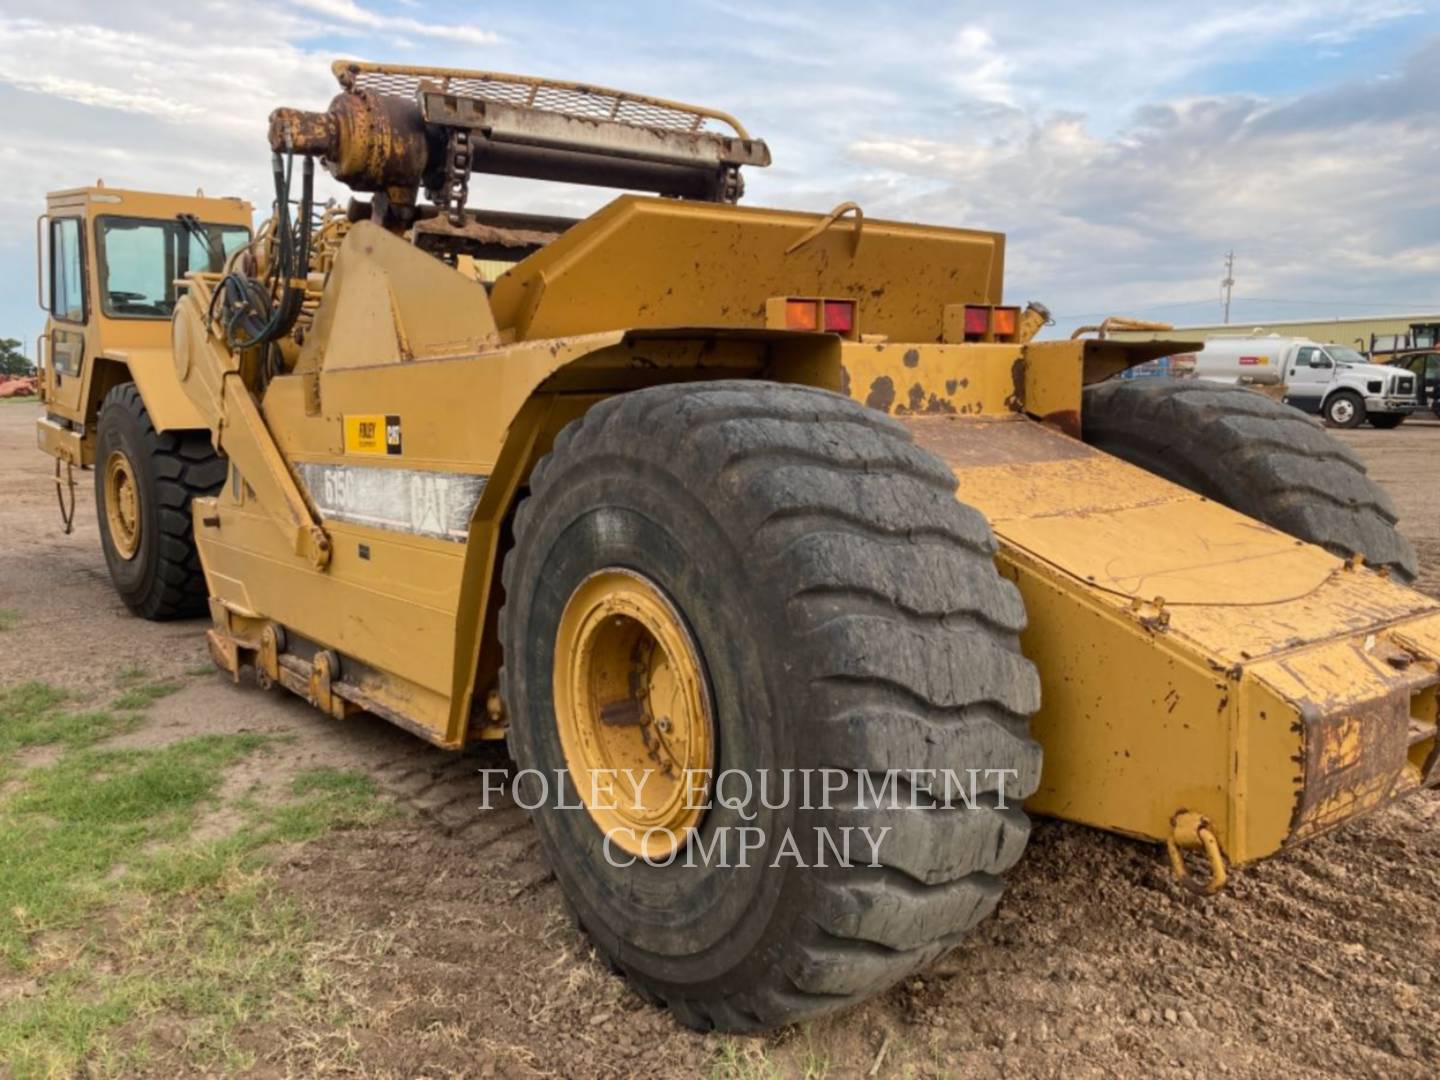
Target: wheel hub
(632, 704)
(1343, 411)
(122, 504)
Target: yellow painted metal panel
(1133, 728)
(643, 262)
(388, 302)
(392, 607)
(61, 443)
(1187, 551)
(154, 373)
(934, 380)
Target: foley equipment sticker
(372, 433)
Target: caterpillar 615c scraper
(729, 498)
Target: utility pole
(1229, 281)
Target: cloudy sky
(1124, 147)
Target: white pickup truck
(1333, 381)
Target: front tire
(1254, 455)
(846, 614)
(144, 481)
(1344, 409)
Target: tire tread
(184, 465)
(1255, 455)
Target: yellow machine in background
(115, 260)
(695, 489)
(114, 269)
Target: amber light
(1006, 320)
(801, 315)
(977, 320)
(839, 316)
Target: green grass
(31, 716)
(9, 619)
(144, 695)
(75, 823)
(325, 799)
(743, 1059)
(117, 916)
(241, 952)
(794, 1052)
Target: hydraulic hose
(247, 316)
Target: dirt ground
(452, 954)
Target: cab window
(67, 270)
(140, 260)
(1304, 356)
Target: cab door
(65, 354)
(1307, 374)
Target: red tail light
(977, 320)
(1006, 320)
(813, 314)
(839, 316)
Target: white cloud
(980, 69)
(93, 93)
(1328, 195)
(1346, 30)
(350, 13)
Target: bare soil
(453, 955)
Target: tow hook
(1190, 831)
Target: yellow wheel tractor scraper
(743, 526)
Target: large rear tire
(144, 481)
(812, 571)
(1254, 455)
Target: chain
(457, 177)
(732, 185)
(67, 517)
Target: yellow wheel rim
(122, 504)
(631, 694)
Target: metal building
(1355, 331)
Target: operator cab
(142, 260)
(111, 265)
